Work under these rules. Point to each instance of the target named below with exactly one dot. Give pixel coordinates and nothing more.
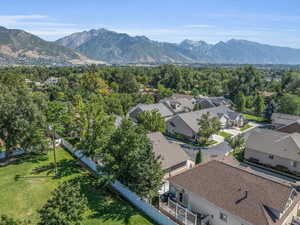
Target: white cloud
(10, 20)
(53, 32)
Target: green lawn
(247, 126)
(21, 198)
(225, 134)
(257, 119)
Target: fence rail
(146, 208)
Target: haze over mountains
(19, 47)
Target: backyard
(26, 185)
(257, 119)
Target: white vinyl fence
(149, 210)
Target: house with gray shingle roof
(219, 194)
(209, 102)
(187, 123)
(159, 107)
(282, 119)
(274, 148)
(172, 156)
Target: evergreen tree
(66, 206)
(198, 157)
(240, 102)
(259, 104)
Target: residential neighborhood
(157, 142)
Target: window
(293, 164)
(271, 156)
(180, 197)
(223, 217)
(172, 124)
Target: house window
(223, 217)
(271, 156)
(180, 197)
(293, 164)
(172, 124)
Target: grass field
(257, 119)
(225, 134)
(246, 127)
(21, 198)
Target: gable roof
(181, 96)
(285, 119)
(237, 191)
(160, 107)
(293, 127)
(191, 118)
(171, 153)
(275, 143)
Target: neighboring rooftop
(284, 119)
(160, 107)
(192, 118)
(293, 127)
(235, 190)
(171, 153)
(275, 143)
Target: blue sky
(267, 21)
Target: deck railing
(180, 213)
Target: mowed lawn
(25, 187)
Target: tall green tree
(240, 102)
(209, 125)
(152, 121)
(129, 158)
(20, 119)
(66, 206)
(259, 104)
(95, 126)
(289, 104)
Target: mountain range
(104, 46)
(18, 47)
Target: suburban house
(52, 81)
(217, 193)
(174, 160)
(187, 123)
(179, 103)
(159, 107)
(281, 119)
(209, 102)
(274, 149)
(293, 127)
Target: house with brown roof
(293, 127)
(274, 149)
(174, 159)
(217, 193)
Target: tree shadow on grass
(105, 204)
(26, 158)
(65, 168)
